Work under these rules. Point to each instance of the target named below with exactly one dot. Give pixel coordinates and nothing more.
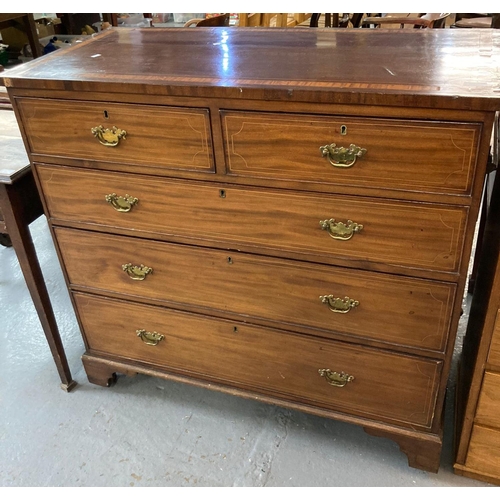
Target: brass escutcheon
(334, 378)
(340, 230)
(338, 305)
(342, 157)
(109, 137)
(137, 273)
(121, 203)
(150, 338)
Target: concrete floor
(152, 432)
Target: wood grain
(484, 451)
(409, 68)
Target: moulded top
(450, 68)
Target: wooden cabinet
(477, 440)
(293, 232)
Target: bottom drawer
(484, 450)
(396, 388)
(488, 408)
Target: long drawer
(317, 227)
(416, 156)
(483, 456)
(393, 387)
(390, 309)
(159, 136)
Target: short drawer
(488, 408)
(484, 450)
(322, 228)
(394, 387)
(157, 136)
(383, 308)
(410, 155)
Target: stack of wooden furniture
(295, 233)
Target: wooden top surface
(14, 161)
(450, 68)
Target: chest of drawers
(248, 211)
(477, 434)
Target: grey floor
(151, 432)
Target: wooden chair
(221, 20)
(422, 21)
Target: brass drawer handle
(121, 203)
(338, 305)
(150, 338)
(339, 230)
(109, 137)
(334, 378)
(137, 273)
(342, 157)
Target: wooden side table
(19, 206)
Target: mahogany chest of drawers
(285, 215)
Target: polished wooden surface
(449, 68)
(402, 312)
(429, 237)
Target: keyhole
(106, 114)
(229, 260)
(235, 329)
(222, 193)
(343, 130)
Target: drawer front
(389, 309)
(395, 387)
(157, 136)
(494, 352)
(484, 450)
(394, 233)
(434, 157)
(488, 408)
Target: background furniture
(19, 206)
(477, 439)
(26, 22)
(298, 234)
(422, 21)
(221, 20)
(476, 21)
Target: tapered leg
(18, 206)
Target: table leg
(18, 208)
